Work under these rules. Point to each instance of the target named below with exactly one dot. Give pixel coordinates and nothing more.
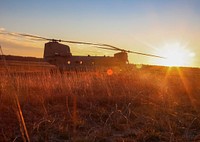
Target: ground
(149, 103)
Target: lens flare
(176, 55)
(109, 72)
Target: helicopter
(59, 54)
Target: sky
(147, 26)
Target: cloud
(2, 29)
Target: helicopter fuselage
(59, 54)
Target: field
(144, 104)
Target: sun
(175, 55)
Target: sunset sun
(176, 55)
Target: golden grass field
(144, 104)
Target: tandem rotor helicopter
(59, 54)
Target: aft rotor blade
(114, 47)
(144, 54)
(105, 48)
(151, 55)
(97, 45)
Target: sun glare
(176, 55)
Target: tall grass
(147, 104)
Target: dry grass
(148, 104)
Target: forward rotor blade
(24, 35)
(95, 44)
(68, 41)
(33, 36)
(7, 33)
(110, 47)
(80, 42)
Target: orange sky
(144, 26)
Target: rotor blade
(151, 55)
(95, 44)
(114, 47)
(33, 36)
(105, 48)
(110, 47)
(7, 33)
(24, 35)
(79, 42)
(68, 41)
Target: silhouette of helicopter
(59, 54)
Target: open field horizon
(144, 104)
